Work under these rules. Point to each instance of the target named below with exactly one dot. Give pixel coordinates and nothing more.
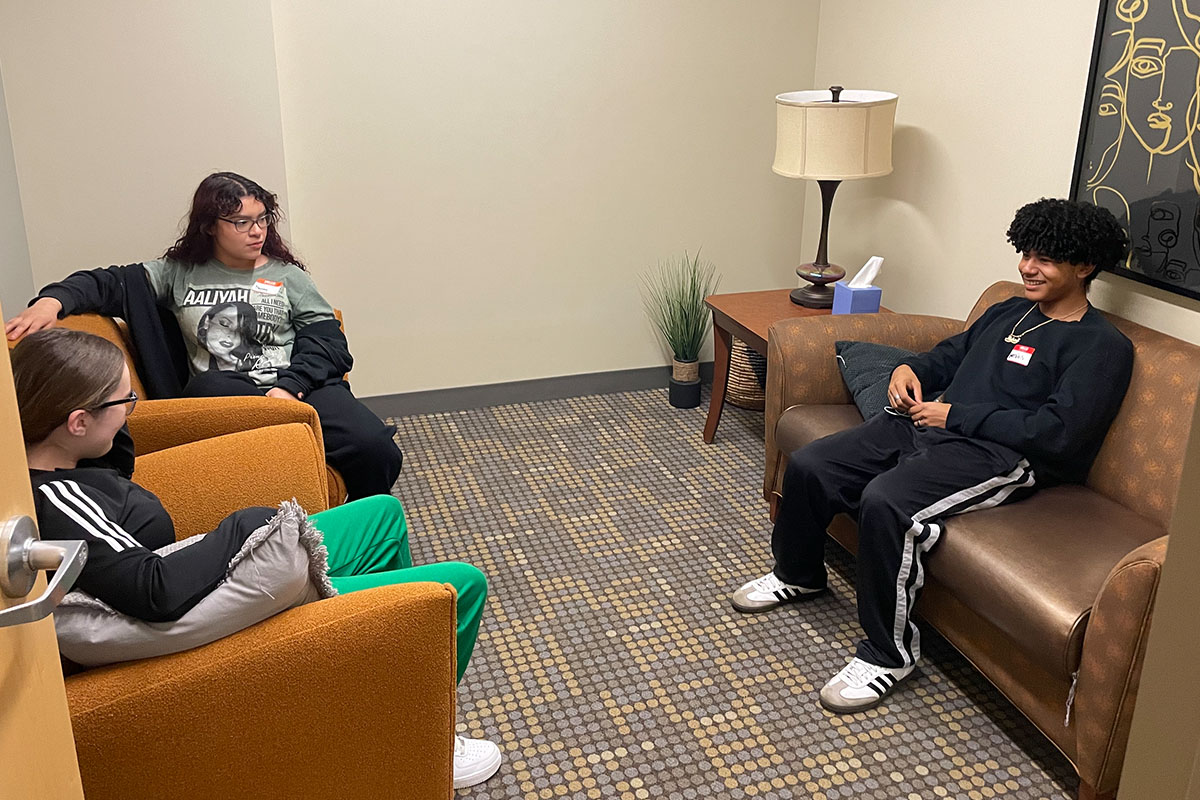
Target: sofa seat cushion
(1035, 567)
(800, 425)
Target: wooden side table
(746, 315)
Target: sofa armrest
(802, 366)
(158, 424)
(202, 482)
(1113, 649)
(349, 697)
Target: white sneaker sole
(840, 707)
(480, 771)
(832, 700)
(741, 603)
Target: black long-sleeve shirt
(123, 524)
(1051, 397)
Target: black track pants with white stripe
(357, 444)
(900, 482)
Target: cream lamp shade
(831, 136)
(819, 139)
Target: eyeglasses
(131, 399)
(243, 224)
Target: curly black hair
(1075, 232)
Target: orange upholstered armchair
(349, 697)
(243, 413)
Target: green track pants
(368, 547)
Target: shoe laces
(859, 673)
(769, 583)
(460, 745)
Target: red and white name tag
(267, 287)
(1021, 354)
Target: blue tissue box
(855, 301)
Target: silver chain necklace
(1014, 337)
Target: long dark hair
(220, 195)
(57, 371)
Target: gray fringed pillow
(867, 369)
(282, 564)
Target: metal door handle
(22, 555)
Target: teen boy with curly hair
(1030, 390)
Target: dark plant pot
(684, 394)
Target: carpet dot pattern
(610, 663)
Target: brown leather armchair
(1049, 595)
(349, 697)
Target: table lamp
(831, 136)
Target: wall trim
(496, 394)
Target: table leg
(722, 343)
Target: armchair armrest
(1114, 647)
(349, 697)
(200, 483)
(158, 424)
(113, 330)
(802, 366)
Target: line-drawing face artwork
(1138, 146)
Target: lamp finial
(837, 91)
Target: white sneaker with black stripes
(861, 685)
(767, 592)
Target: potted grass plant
(673, 294)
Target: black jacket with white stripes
(122, 524)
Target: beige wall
(16, 279)
(480, 185)
(119, 108)
(991, 97)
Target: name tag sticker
(1021, 354)
(267, 287)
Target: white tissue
(866, 275)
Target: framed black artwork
(1138, 143)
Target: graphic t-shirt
(241, 320)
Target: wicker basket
(744, 389)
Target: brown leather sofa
(1048, 594)
(348, 697)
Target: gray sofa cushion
(283, 564)
(867, 369)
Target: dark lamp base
(820, 294)
(813, 296)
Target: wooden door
(37, 750)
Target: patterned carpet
(610, 664)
